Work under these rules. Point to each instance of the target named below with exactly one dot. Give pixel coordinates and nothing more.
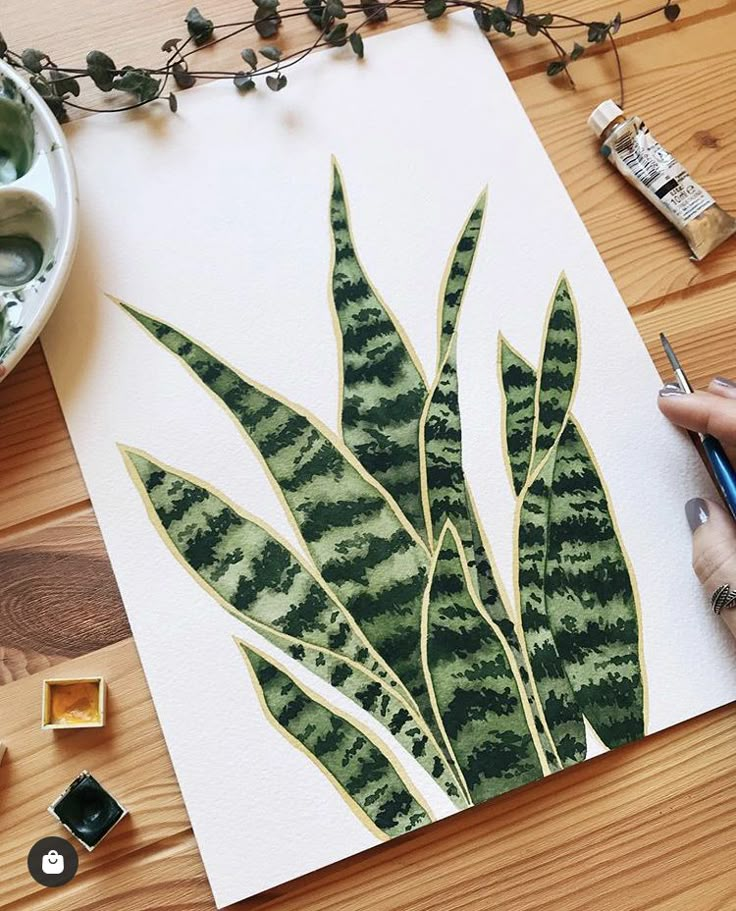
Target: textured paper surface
(216, 220)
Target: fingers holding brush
(711, 412)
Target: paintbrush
(722, 469)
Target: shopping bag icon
(53, 862)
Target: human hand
(714, 531)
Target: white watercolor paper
(216, 220)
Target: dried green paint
(478, 700)
(363, 772)
(457, 276)
(275, 594)
(374, 567)
(383, 390)
(557, 373)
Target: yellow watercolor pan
(77, 702)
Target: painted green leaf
(558, 373)
(257, 576)
(469, 669)
(589, 595)
(443, 480)
(446, 490)
(383, 388)
(567, 521)
(388, 707)
(518, 380)
(372, 560)
(261, 581)
(562, 713)
(456, 277)
(356, 765)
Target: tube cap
(605, 113)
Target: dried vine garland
(336, 26)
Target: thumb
(714, 548)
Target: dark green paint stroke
(447, 491)
(478, 700)
(271, 591)
(518, 379)
(492, 601)
(558, 371)
(561, 711)
(361, 769)
(457, 275)
(591, 604)
(383, 391)
(449, 498)
(364, 553)
(445, 479)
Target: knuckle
(713, 562)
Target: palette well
(87, 810)
(38, 215)
(73, 703)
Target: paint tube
(659, 176)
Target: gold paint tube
(658, 175)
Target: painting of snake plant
(393, 599)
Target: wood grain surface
(646, 828)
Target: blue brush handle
(723, 470)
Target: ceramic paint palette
(73, 703)
(38, 215)
(87, 810)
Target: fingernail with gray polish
(670, 389)
(723, 381)
(696, 511)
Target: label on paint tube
(644, 162)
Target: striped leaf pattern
(357, 766)
(519, 387)
(373, 695)
(373, 563)
(242, 562)
(399, 608)
(562, 713)
(469, 670)
(590, 601)
(558, 372)
(269, 588)
(457, 274)
(383, 389)
(444, 480)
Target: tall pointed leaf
(558, 372)
(518, 380)
(363, 548)
(262, 582)
(590, 599)
(443, 481)
(448, 496)
(562, 713)
(242, 562)
(476, 693)
(387, 706)
(357, 766)
(456, 277)
(383, 387)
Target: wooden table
(651, 826)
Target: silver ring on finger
(723, 598)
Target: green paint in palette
(87, 810)
(21, 259)
(17, 142)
